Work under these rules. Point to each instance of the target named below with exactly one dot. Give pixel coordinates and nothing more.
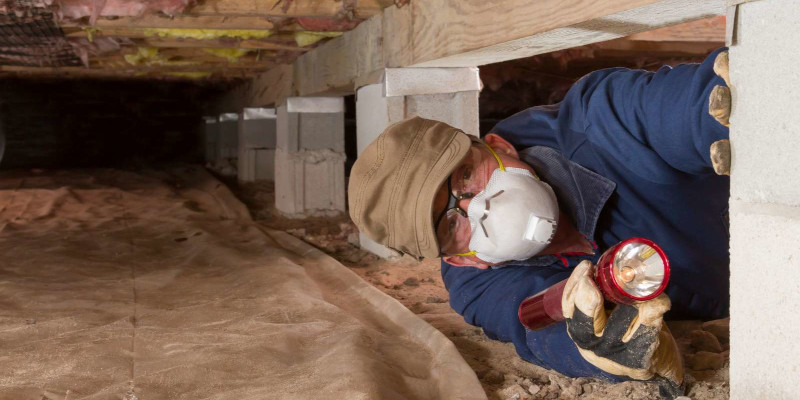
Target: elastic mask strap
(500, 163)
(502, 168)
(496, 157)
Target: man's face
(471, 176)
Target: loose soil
(504, 375)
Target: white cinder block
(375, 248)
(321, 131)
(243, 167)
(765, 202)
(256, 165)
(211, 137)
(257, 133)
(309, 183)
(309, 131)
(315, 104)
(264, 164)
(309, 157)
(459, 110)
(765, 124)
(288, 183)
(765, 299)
(372, 114)
(228, 140)
(324, 183)
(258, 113)
(416, 81)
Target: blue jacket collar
(581, 193)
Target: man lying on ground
(627, 153)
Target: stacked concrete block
(309, 158)
(765, 201)
(227, 144)
(257, 138)
(210, 133)
(449, 95)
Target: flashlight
(634, 270)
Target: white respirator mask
(513, 218)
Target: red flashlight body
(544, 308)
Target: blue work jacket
(627, 153)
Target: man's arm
(647, 120)
(490, 299)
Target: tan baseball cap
(393, 183)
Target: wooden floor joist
(143, 72)
(183, 22)
(288, 8)
(458, 33)
(220, 44)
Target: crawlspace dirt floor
(418, 286)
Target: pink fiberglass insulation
(75, 9)
(100, 45)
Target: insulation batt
(76, 9)
(103, 45)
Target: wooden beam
(138, 32)
(459, 33)
(279, 41)
(467, 34)
(286, 8)
(143, 36)
(269, 88)
(332, 67)
(220, 44)
(703, 30)
(192, 59)
(132, 72)
(112, 65)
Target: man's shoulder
(582, 193)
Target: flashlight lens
(638, 269)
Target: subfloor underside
(156, 285)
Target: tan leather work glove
(719, 106)
(631, 340)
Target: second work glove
(631, 340)
(719, 106)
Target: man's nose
(464, 203)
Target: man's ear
(461, 261)
(500, 145)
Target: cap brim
(449, 159)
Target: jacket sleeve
(648, 120)
(490, 299)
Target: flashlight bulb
(638, 269)
(626, 274)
